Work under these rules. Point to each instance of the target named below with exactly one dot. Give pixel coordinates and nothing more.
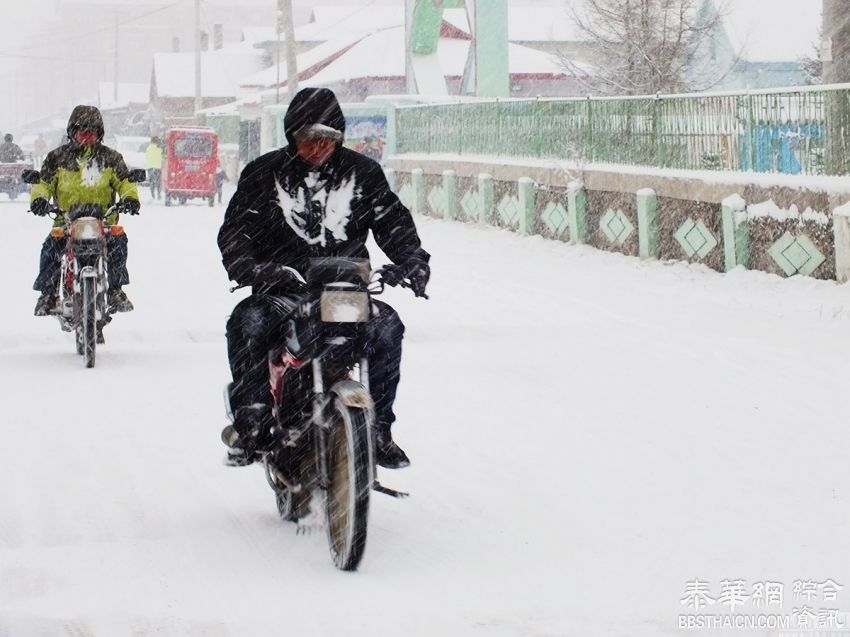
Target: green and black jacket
(74, 174)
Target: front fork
(320, 404)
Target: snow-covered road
(589, 434)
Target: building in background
(759, 44)
(73, 46)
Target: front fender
(353, 394)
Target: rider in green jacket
(83, 171)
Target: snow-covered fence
(783, 225)
(799, 130)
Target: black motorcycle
(323, 450)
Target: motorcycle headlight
(85, 228)
(338, 306)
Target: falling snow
(578, 422)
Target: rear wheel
(88, 325)
(349, 485)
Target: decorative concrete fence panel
(470, 201)
(782, 230)
(612, 222)
(790, 232)
(690, 231)
(436, 202)
(507, 208)
(552, 217)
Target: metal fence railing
(803, 130)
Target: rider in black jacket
(312, 198)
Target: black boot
(388, 454)
(117, 301)
(249, 434)
(46, 304)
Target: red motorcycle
(83, 281)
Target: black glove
(415, 270)
(392, 274)
(40, 207)
(129, 206)
(419, 274)
(268, 276)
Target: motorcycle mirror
(137, 175)
(30, 176)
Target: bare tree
(649, 46)
(812, 66)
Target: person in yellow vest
(154, 157)
(83, 171)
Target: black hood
(85, 117)
(312, 106)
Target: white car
(133, 150)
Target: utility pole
(835, 47)
(278, 20)
(285, 9)
(198, 103)
(115, 77)
(835, 57)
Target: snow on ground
(588, 433)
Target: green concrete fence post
(736, 250)
(647, 209)
(527, 212)
(417, 179)
(577, 212)
(488, 196)
(450, 192)
(841, 230)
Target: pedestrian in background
(154, 159)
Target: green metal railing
(804, 130)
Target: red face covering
(85, 137)
(316, 151)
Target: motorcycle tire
(349, 484)
(89, 320)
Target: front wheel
(349, 484)
(87, 331)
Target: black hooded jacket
(286, 211)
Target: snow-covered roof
(128, 93)
(311, 59)
(339, 21)
(768, 31)
(382, 54)
(334, 22)
(222, 70)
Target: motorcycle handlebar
(375, 277)
(54, 211)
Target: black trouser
(155, 178)
(51, 257)
(257, 325)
